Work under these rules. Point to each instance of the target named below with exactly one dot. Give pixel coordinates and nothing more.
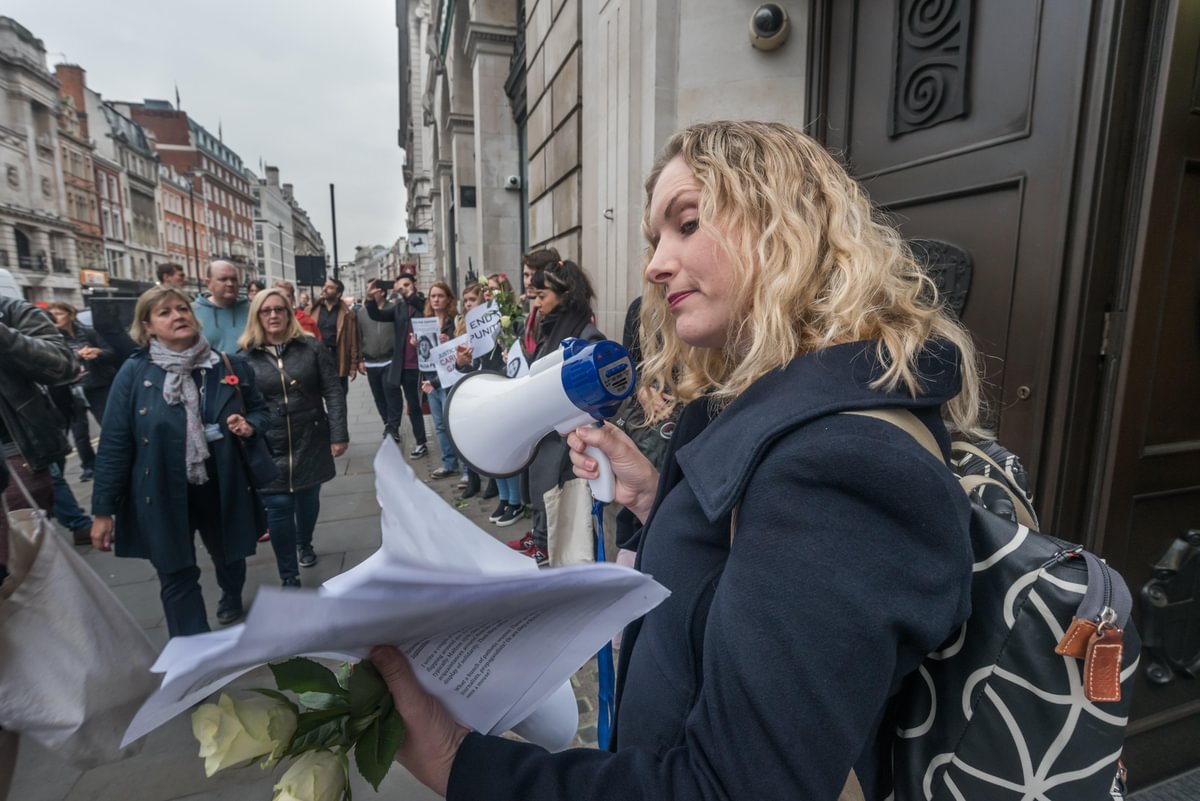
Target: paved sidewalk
(167, 768)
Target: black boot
(472, 488)
(492, 490)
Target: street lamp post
(192, 200)
(282, 262)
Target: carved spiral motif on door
(929, 83)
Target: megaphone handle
(604, 487)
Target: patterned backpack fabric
(1030, 698)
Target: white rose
(231, 731)
(506, 322)
(314, 776)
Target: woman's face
(470, 300)
(492, 288)
(547, 300)
(688, 263)
(173, 324)
(274, 316)
(251, 291)
(61, 318)
(438, 300)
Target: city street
(168, 768)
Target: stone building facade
(551, 112)
(274, 239)
(37, 237)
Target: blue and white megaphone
(496, 422)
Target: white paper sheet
(488, 633)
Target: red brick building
(189, 149)
(185, 235)
(82, 205)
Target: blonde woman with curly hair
(298, 379)
(813, 557)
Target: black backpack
(1030, 698)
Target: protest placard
(426, 331)
(517, 365)
(483, 323)
(444, 357)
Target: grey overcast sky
(305, 85)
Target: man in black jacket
(33, 353)
(403, 372)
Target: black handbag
(1029, 699)
(256, 454)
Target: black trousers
(81, 433)
(182, 601)
(410, 382)
(389, 400)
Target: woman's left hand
(443, 338)
(238, 425)
(432, 736)
(337, 449)
(427, 387)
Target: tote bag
(74, 665)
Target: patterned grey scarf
(180, 388)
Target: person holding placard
(442, 306)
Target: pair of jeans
(97, 398)
(291, 516)
(66, 508)
(437, 408)
(389, 401)
(510, 489)
(183, 603)
(410, 385)
(81, 433)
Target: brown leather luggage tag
(1075, 641)
(1102, 664)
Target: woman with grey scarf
(169, 463)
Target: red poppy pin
(231, 380)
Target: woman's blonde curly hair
(814, 267)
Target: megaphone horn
(496, 422)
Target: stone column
(497, 150)
(466, 220)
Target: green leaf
(366, 687)
(376, 749)
(302, 675)
(318, 732)
(323, 701)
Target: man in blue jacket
(223, 314)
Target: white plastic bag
(74, 666)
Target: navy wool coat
(768, 673)
(141, 477)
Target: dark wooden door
(961, 119)
(1151, 493)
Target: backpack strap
(909, 424)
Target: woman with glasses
(308, 424)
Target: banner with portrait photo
(427, 332)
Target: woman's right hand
(102, 532)
(636, 478)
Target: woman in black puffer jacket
(308, 424)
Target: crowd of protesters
(231, 371)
